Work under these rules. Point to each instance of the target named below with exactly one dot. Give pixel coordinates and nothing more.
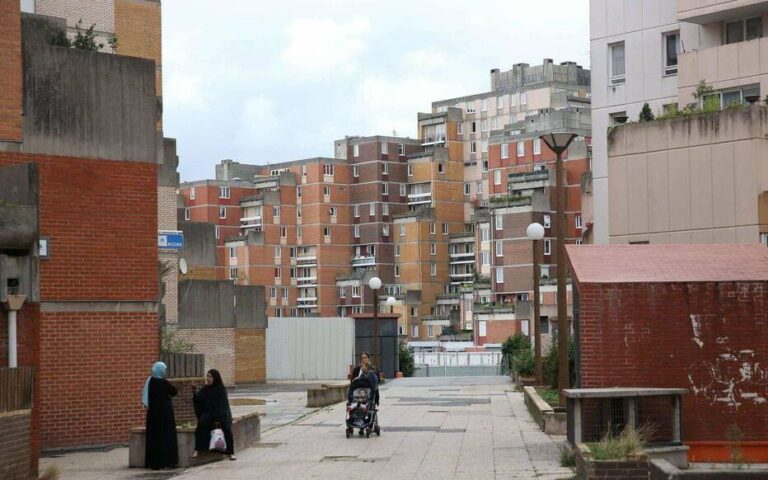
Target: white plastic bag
(217, 441)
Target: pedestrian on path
(161, 448)
(212, 410)
(365, 369)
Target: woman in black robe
(161, 447)
(212, 410)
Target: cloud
(259, 122)
(322, 45)
(426, 59)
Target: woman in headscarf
(212, 410)
(161, 447)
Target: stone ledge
(549, 420)
(327, 394)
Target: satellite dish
(183, 266)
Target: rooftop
(668, 263)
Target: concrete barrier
(246, 430)
(327, 394)
(550, 421)
(660, 469)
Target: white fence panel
(457, 358)
(309, 348)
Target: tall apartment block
(693, 179)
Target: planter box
(246, 430)
(628, 469)
(327, 394)
(551, 421)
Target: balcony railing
(493, 308)
(419, 198)
(433, 140)
(528, 176)
(364, 261)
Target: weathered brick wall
(138, 29)
(498, 331)
(183, 406)
(711, 338)
(218, 345)
(15, 455)
(10, 71)
(250, 355)
(166, 208)
(98, 12)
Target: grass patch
(567, 458)
(628, 443)
(549, 395)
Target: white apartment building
(657, 51)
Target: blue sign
(170, 240)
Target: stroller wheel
(367, 433)
(361, 432)
(349, 432)
(377, 430)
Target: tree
(646, 115)
(406, 360)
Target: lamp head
(374, 283)
(535, 231)
(391, 301)
(558, 141)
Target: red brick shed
(691, 316)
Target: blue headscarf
(158, 371)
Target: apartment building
(685, 179)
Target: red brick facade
(15, 455)
(10, 72)
(101, 218)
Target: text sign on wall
(170, 240)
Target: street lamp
(375, 284)
(391, 301)
(558, 143)
(535, 232)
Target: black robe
(211, 406)
(161, 449)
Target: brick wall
(611, 469)
(183, 406)
(15, 454)
(218, 345)
(498, 331)
(139, 32)
(250, 355)
(166, 208)
(711, 338)
(10, 71)
(99, 12)
(171, 280)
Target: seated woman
(212, 410)
(365, 370)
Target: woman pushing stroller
(362, 399)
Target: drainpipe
(13, 305)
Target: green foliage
(509, 198)
(514, 344)
(85, 38)
(406, 360)
(549, 395)
(517, 350)
(630, 442)
(170, 343)
(567, 458)
(550, 364)
(646, 115)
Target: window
(292, 252)
(485, 257)
(285, 293)
(484, 125)
(186, 214)
(222, 212)
(579, 242)
(513, 100)
(433, 269)
(479, 187)
(473, 128)
(298, 212)
(484, 146)
(547, 246)
(470, 107)
(430, 330)
(356, 150)
(356, 211)
(484, 105)
(327, 231)
(499, 102)
(544, 325)
(326, 191)
(547, 221)
(372, 209)
(410, 170)
(385, 209)
(537, 146)
(764, 239)
(415, 331)
(400, 330)
(278, 252)
(671, 49)
(357, 231)
(217, 232)
(401, 149)
(618, 118)
(473, 147)
(497, 177)
(440, 167)
(233, 252)
(433, 248)
(499, 248)
(385, 230)
(432, 228)
(499, 222)
(223, 192)
(485, 166)
(505, 150)
(328, 169)
(402, 229)
(494, 123)
(460, 128)
(521, 148)
(275, 211)
(741, 30)
(414, 312)
(523, 98)
(485, 234)
(355, 290)
(397, 267)
(616, 60)
(397, 250)
(191, 193)
(303, 170)
(402, 189)
(355, 170)
(342, 292)
(277, 272)
(499, 274)
(445, 229)
(578, 221)
(384, 148)
(332, 211)
(273, 292)
(298, 192)
(299, 231)
(385, 168)
(466, 189)
(283, 231)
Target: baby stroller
(362, 412)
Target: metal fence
(16, 388)
(458, 370)
(184, 365)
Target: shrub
(646, 115)
(517, 351)
(630, 442)
(550, 364)
(406, 360)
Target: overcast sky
(271, 81)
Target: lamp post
(535, 233)
(391, 301)
(558, 143)
(375, 284)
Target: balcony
(448, 299)
(306, 281)
(493, 308)
(364, 261)
(306, 261)
(433, 140)
(462, 258)
(250, 222)
(708, 11)
(511, 201)
(307, 299)
(419, 198)
(528, 176)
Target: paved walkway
(473, 427)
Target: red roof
(668, 263)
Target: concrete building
(691, 179)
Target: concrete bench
(327, 394)
(246, 430)
(552, 421)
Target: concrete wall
(71, 106)
(220, 304)
(695, 180)
(199, 243)
(310, 348)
